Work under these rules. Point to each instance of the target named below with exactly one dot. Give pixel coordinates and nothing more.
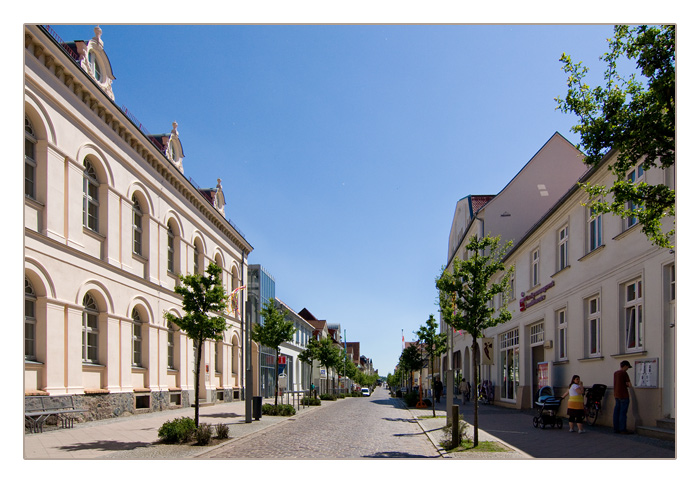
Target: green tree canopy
(328, 355)
(464, 295)
(274, 331)
(434, 342)
(309, 355)
(635, 118)
(202, 296)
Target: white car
(365, 391)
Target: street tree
(411, 360)
(327, 355)
(308, 356)
(345, 366)
(434, 342)
(274, 331)
(633, 118)
(202, 297)
(464, 296)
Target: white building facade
(110, 223)
(588, 292)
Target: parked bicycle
(594, 402)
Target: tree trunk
(197, 374)
(475, 348)
(432, 377)
(277, 375)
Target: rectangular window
(561, 334)
(29, 329)
(136, 344)
(635, 176)
(634, 327)
(593, 326)
(138, 232)
(563, 252)
(511, 286)
(171, 349)
(29, 168)
(90, 337)
(510, 363)
(595, 230)
(535, 266)
(171, 251)
(537, 334)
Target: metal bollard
(455, 426)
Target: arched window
(95, 66)
(91, 202)
(136, 339)
(137, 226)
(91, 334)
(29, 321)
(29, 159)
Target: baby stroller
(548, 406)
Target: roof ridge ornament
(98, 35)
(174, 150)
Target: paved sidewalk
(514, 428)
(133, 437)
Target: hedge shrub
(179, 430)
(279, 410)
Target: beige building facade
(110, 223)
(588, 292)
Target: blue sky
(343, 149)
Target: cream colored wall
(626, 255)
(64, 260)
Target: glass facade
(261, 288)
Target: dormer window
(94, 60)
(95, 66)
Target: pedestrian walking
(574, 408)
(621, 383)
(463, 391)
(437, 387)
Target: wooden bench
(37, 409)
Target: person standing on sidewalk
(621, 383)
(463, 391)
(437, 387)
(575, 407)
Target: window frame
(535, 267)
(136, 339)
(30, 165)
(635, 176)
(633, 316)
(562, 334)
(563, 248)
(30, 324)
(137, 226)
(594, 229)
(90, 331)
(593, 321)
(91, 201)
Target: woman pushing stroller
(575, 406)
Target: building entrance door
(537, 357)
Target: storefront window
(509, 364)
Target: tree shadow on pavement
(397, 454)
(106, 445)
(221, 415)
(403, 420)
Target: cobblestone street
(374, 427)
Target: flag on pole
(232, 301)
